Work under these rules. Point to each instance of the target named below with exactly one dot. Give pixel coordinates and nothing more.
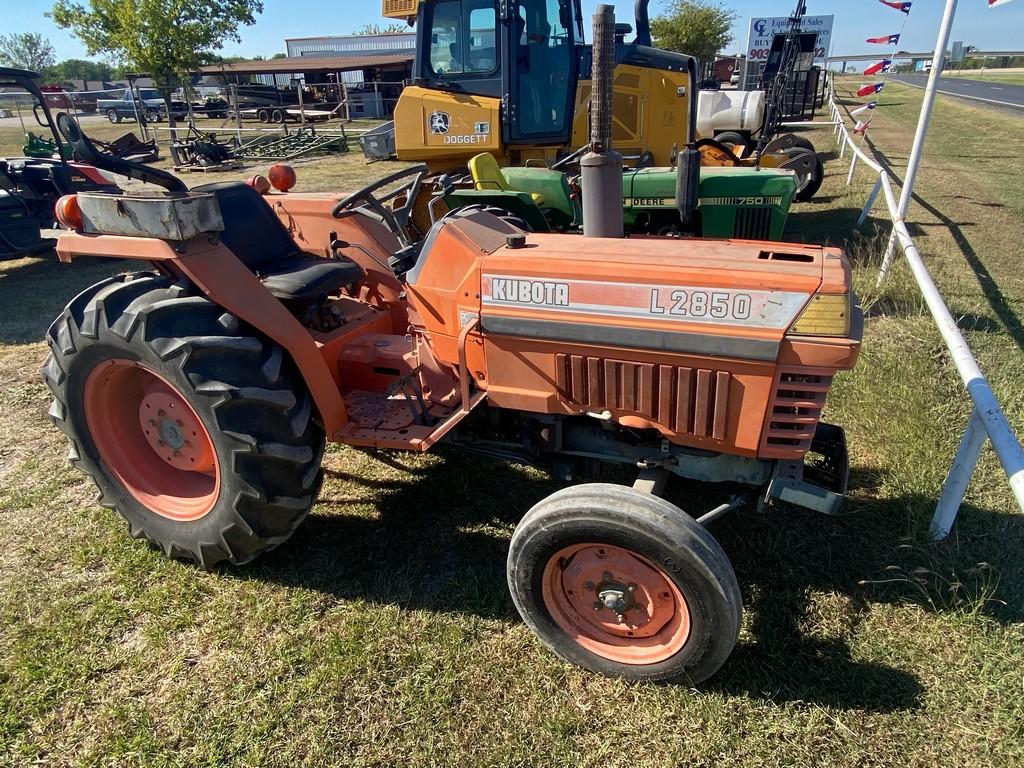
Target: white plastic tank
(719, 111)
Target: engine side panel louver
(692, 401)
(793, 414)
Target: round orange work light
(260, 183)
(282, 176)
(68, 212)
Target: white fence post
(853, 167)
(870, 201)
(959, 478)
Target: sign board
(764, 29)
(959, 51)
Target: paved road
(1001, 95)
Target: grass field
(1011, 76)
(382, 633)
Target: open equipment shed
(383, 75)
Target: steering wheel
(570, 158)
(87, 152)
(397, 219)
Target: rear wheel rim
(151, 440)
(616, 603)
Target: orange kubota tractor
(199, 393)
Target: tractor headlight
(826, 314)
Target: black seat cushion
(257, 237)
(302, 280)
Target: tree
(80, 69)
(699, 28)
(166, 39)
(26, 50)
(377, 29)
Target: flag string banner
(905, 7)
(883, 66)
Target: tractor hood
(658, 293)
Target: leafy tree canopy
(165, 39)
(26, 50)
(377, 29)
(699, 28)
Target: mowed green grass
(382, 634)
(1012, 77)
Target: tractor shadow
(34, 291)
(437, 541)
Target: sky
(987, 29)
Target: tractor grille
(794, 412)
(753, 223)
(693, 401)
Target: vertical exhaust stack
(688, 161)
(643, 23)
(601, 166)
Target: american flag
(905, 7)
(885, 39)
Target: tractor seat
(254, 234)
(487, 174)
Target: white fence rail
(987, 417)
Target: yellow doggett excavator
(513, 78)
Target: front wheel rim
(616, 603)
(151, 440)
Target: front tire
(625, 584)
(113, 116)
(193, 427)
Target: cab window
(463, 36)
(544, 59)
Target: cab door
(540, 64)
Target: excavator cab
(472, 54)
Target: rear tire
(734, 141)
(264, 450)
(810, 173)
(263, 115)
(583, 543)
(113, 116)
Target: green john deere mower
(737, 203)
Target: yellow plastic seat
(487, 174)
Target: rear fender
(229, 283)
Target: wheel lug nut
(621, 618)
(631, 587)
(597, 605)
